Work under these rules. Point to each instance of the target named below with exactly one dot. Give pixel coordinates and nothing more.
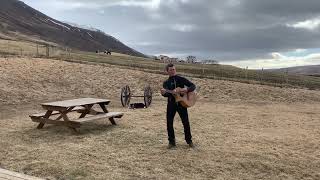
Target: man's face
(172, 71)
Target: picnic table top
(76, 102)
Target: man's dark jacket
(177, 81)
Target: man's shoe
(170, 146)
(191, 145)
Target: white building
(191, 59)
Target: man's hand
(183, 90)
(163, 91)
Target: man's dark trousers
(172, 108)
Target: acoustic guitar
(185, 99)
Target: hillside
(313, 70)
(19, 21)
(26, 80)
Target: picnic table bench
(81, 105)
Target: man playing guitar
(169, 90)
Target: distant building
(191, 59)
(155, 58)
(172, 60)
(164, 58)
(167, 59)
(210, 61)
(181, 60)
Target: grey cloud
(227, 30)
(247, 30)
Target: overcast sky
(253, 33)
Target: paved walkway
(10, 175)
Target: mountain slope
(19, 19)
(305, 70)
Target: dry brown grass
(241, 131)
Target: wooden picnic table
(81, 105)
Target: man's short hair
(168, 66)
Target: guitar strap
(175, 86)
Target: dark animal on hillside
(107, 52)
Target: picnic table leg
(103, 107)
(46, 116)
(65, 112)
(112, 121)
(66, 119)
(86, 111)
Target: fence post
(287, 76)
(261, 78)
(246, 73)
(8, 45)
(202, 69)
(47, 50)
(37, 50)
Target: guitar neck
(170, 91)
(175, 91)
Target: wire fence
(212, 71)
(19, 48)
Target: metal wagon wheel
(147, 96)
(125, 96)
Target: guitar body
(187, 99)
